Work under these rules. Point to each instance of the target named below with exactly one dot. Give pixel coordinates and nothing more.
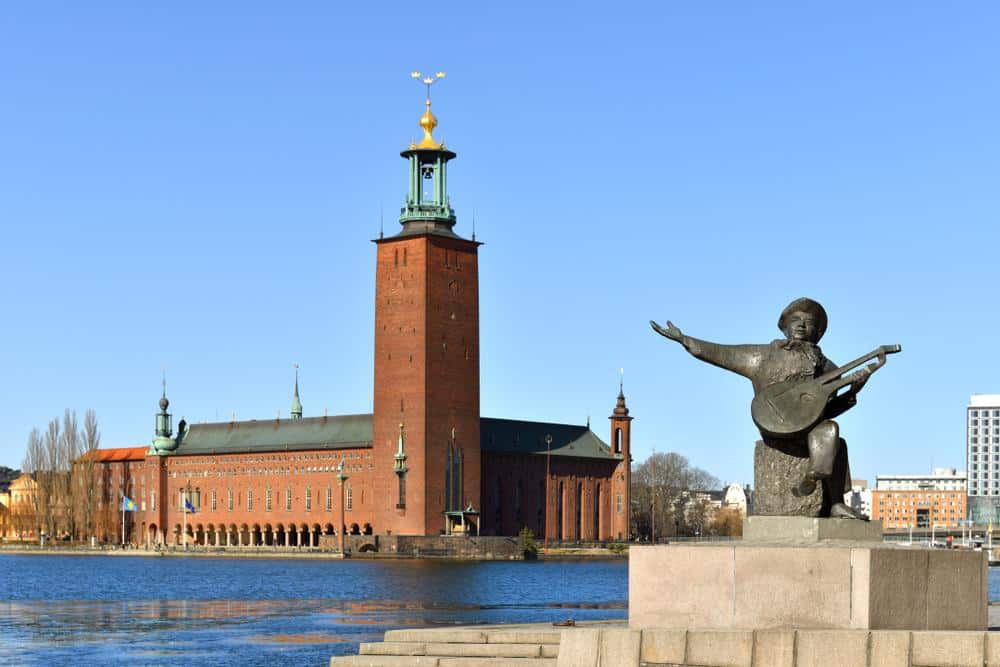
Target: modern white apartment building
(940, 479)
(982, 444)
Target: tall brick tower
(426, 412)
(621, 483)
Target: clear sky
(197, 187)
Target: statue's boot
(842, 511)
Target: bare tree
(69, 451)
(46, 477)
(29, 513)
(86, 493)
(660, 487)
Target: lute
(791, 408)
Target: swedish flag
(128, 505)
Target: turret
(621, 447)
(163, 443)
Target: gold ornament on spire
(428, 122)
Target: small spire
(473, 224)
(621, 410)
(296, 403)
(381, 225)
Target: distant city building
(859, 498)
(982, 444)
(920, 501)
(984, 510)
(735, 496)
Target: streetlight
(184, 511)
(548, 463)
(341, 478)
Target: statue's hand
(671, 332)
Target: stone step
(436, 661)
(498, 650)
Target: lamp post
(548, 464)
(341, 478)
(184, 512)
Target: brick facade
(268, 482)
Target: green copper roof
(276, 435)
(508, 436)
(512, 436)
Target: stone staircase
(534, 645)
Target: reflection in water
(179, 611)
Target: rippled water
(171, 611)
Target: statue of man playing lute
(797, 394)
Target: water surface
(172, 611)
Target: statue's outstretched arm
(741, 359)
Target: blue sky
(198, 187)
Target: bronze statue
(796, 394)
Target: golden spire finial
(428, 122)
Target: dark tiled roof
(509, 436)
(513, 436)
(274, 435)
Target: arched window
(559, 512)
(597, 512)
(518, 492)
(618, 441)
(498, 505)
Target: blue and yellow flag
(128, 505)
(188, 506)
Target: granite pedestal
(802, 580)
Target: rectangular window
(350, 498)
(267, 500)
(249, 500)
(213, 500)
(230, 499)
(618, 503)
(309, 498)
(329, 498)
(152, 499)
(288, 499)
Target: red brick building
(424, 463)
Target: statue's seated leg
(823, 442)
(837, 484)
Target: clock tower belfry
(426, 393)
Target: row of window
(242, 472)
(232, 499)
(983, 413)
(350, 454)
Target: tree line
(668, 500)
(64, 501)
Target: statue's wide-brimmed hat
(805, 305)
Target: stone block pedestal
(833, 584)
